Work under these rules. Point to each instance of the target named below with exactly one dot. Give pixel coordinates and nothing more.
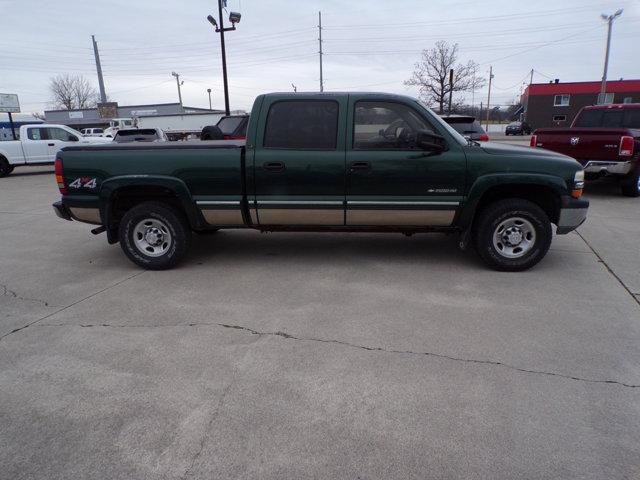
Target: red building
(556, 104)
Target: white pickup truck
(39, 144)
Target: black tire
(630, 184)
(171, 226)
(534, 225)
(5, 168)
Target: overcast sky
(369, 45)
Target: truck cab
(116, 124)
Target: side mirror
(430, 141)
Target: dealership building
(556, 104)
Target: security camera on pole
(234, 18)
(609, 19)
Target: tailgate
(583, 144)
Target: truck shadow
(29, 172)
(307, 249)
(602, 187)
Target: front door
(58, 139)
(299, 167)
(390, 181)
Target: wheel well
(545, 197)
(126, 198)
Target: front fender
(486, 182)
(112, 185)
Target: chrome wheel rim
(514, 237)
(152, 237)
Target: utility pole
(103, 95)
(609, 19)
(531, 78)
(209, 92)
(526, 107)
(177, 75)
(320, 51)
(450, 88)
(489, 95)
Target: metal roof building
(90, 117)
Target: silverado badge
(575, 140)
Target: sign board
(9, 103)
(108, 109)
(144, 113)
(76, 115)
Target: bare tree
(72, 92)
(431, 74)
(38, 115)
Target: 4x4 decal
(84, 182)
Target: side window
(60, 134)
(561, 100)
(305, 125)
(386, 126)
(36, 134)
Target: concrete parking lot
(345, 356)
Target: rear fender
(111, 186)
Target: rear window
(140, 135)
(297, 124)
(465, 127)
(228, 125)
(618, 118)
(97, 130)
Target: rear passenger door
(299, 162)
(36, 149)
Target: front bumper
(573, 213)
(62, 211)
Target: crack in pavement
(288, 336)
(609, 269)
(15, 330)
(8, 292)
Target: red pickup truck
(605, 139)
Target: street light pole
(177, 75)
(609, 19)
(209, 92)
(234, 18)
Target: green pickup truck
(331, 162)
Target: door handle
(273, 166)
(360, 166)
(51, 144)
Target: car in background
(605, 139)
(230, 127)
(92, 132)
(518, 128)
(140, 135)
(467, 126)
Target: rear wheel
(5, 168)
(630, 184)
(154, 235)
(512, 235)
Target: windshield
(436, 119)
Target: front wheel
(154, 235)
(512, 235)
(630, 184)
